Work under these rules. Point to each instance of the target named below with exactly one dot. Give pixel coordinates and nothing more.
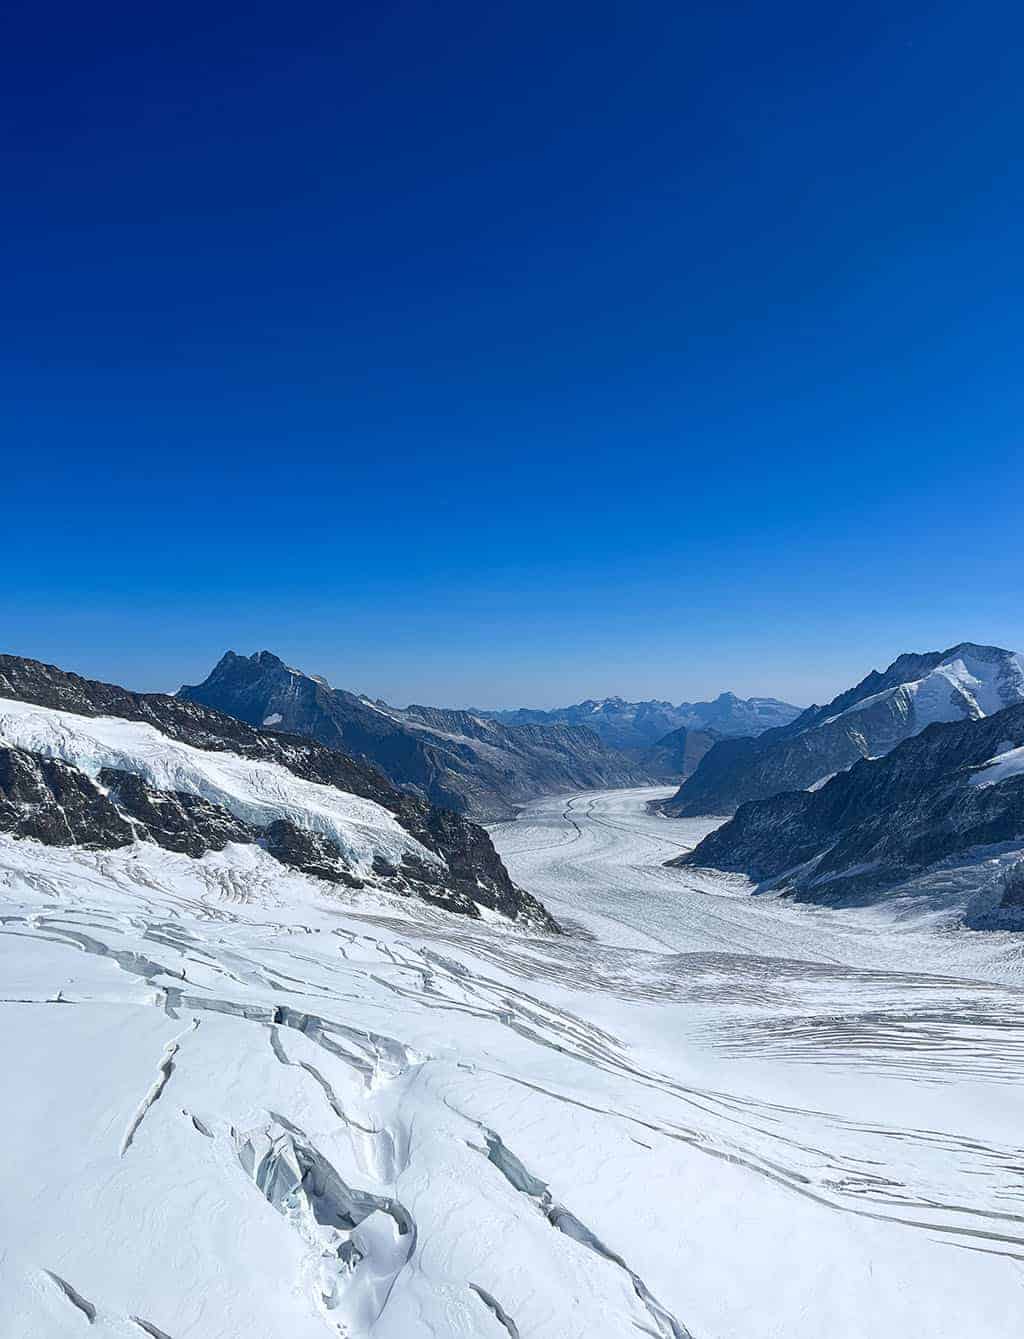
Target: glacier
(241, 1103)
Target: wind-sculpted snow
(237, 1105)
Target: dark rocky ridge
(456, 759)
(174, 820)
(54, 803)
(475, 873)
(59, 805)
(816, 744)
(881, 822)
(678, 754)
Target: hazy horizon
(378, 681)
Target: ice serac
(966, 682)
(92, 764)
(871, 831)
(459, 760)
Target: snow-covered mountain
(90, 764)
(457, 759)
(260, 1079)
(638, 725)
(967, 682)
(890, 826)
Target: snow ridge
(253, 790)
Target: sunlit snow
(239, 1103)
(252, 789)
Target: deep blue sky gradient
(512, 354)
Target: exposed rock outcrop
(55, 803)
(938, 795)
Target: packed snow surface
(255, 791)
(238, 1104)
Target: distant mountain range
(638, 725)
(461, 760)
(966, 682)
(951, 795)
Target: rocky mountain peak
(968, 681)
(461, 760)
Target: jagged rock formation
(636, 726)
(456, 759)
(55, 801)
(174, 820)
(966, 682)
(946, 791)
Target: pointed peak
(269, 661)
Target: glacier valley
(241, 1102)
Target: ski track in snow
(698, 1113)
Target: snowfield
(243, 1105)
(254, 790)
(965, 686)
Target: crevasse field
(238, 1106)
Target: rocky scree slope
(966, 682)
(58, 786)
(456, 759)
(942, 794)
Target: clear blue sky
(509, 354)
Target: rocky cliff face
(456, 759)
(941, 794)
(967, 682)
(50, 799)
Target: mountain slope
(677, 755)
(91, 764)
(639, 725)
(966, 682)
(456, 759)
(939, 795)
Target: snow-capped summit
(883, 827)
(966, 682)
